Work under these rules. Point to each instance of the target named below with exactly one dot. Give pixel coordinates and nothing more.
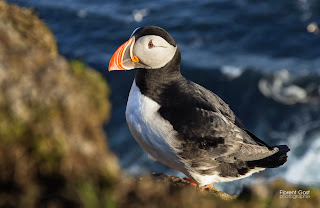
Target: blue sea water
(261, 57)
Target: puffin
(182, 124)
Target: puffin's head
(149, 47)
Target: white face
(154, 51)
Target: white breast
(152, 132)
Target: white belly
(152, 132)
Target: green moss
(88, 195)
(95, 199)
(85, 73)
(93, 82)
(49, 153)
(29, 26)
(11, 129)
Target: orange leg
(192, 183)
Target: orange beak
(123, 58)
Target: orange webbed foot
(193, 183)
(210, 186)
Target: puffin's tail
(273, 161)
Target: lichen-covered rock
(182, 183)
(155, 191)
(53, 149)
(269, 195)
(29, 28)
(160, 190)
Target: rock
(181, 183)
(269, 195)
(28, 27)
(161, 190)
(53, 149)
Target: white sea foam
(305, 170)
(139, 14)
(231, 71)
(281, 87)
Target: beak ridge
(121, 59)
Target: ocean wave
(284, 88)
(304, 162)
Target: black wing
(208, 131)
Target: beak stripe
(116, 59)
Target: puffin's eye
(150, 44)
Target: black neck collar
(151, 82)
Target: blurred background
(261, 57)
